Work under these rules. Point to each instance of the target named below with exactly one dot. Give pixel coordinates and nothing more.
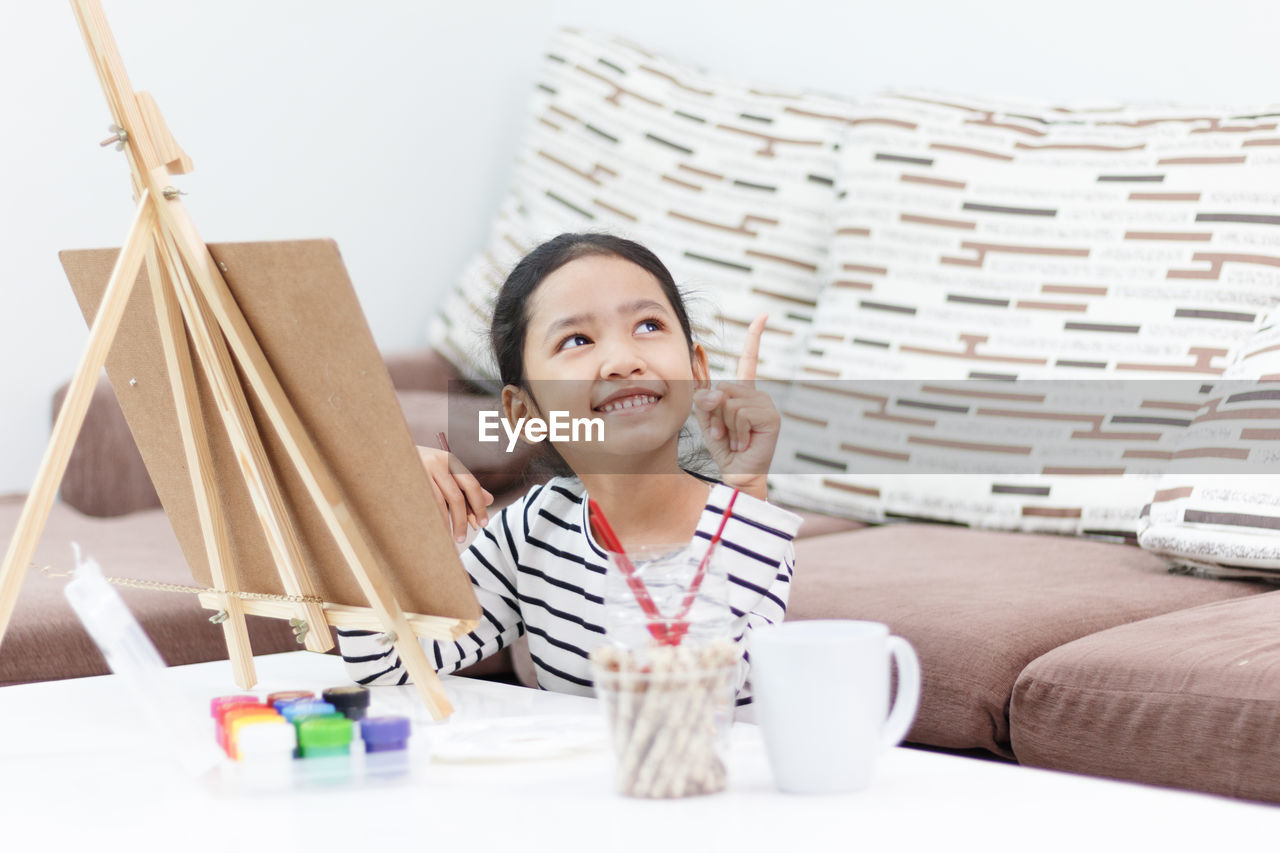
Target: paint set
(294, 738)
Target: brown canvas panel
(300, 304)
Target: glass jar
(689, 610)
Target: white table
(80, 764)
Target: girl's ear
(701, 373)
(517, 403)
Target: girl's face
(603, 341)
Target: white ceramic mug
(821, 694)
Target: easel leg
(195, 445)
(264, 490)
(35, 512)
(425, 678)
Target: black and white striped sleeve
(490, 561)
(758, 553)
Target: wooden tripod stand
(192, 298)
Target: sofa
(1052, 651)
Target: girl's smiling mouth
(632, 400)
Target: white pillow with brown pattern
(730, 183)
(1217, 509)
(990, 257)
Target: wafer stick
(639, 765)
(684, 740)
(665, 767)
(707, 695)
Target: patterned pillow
(1217, 509)
(1061, 456)
(730, 185)
(980, 242)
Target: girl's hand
(739, 423)
(463, 501)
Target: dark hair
(510, 311)
(511, 320)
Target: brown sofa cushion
(105, 475)
(980, 605)
(420, 370)
(1188, 700)
(45, 639)
(818, 524)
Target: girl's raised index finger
(751, 349)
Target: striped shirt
(537, 570)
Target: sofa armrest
(105, 475)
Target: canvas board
(297, 298)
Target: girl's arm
(757, 552)
(490, 561)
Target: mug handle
(907, 700)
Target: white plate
(517, 738)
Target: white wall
(390, 124)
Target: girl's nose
(621, 361)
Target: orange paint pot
(235, 712)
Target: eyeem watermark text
(560, 427)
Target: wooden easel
(191, 297)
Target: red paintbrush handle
(681, 627)
(600, 527)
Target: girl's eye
(649, 326)
(574, 341)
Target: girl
(593, 325)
